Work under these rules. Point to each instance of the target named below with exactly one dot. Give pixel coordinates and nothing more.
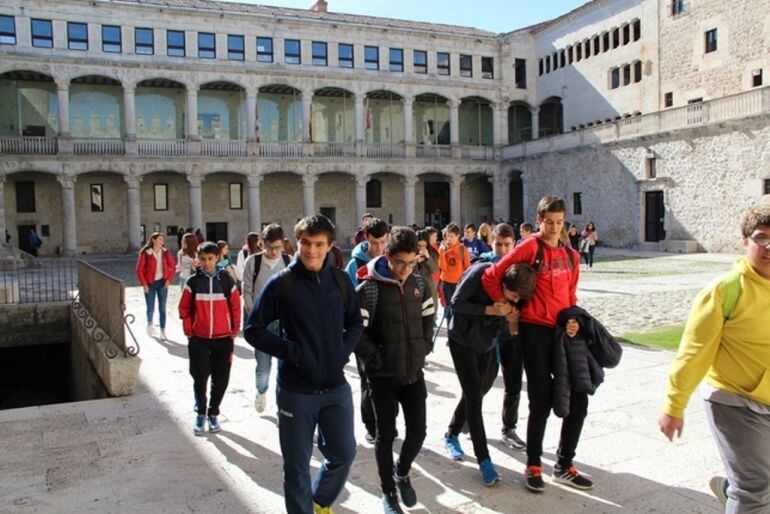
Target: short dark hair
(470, 226)
(376, 228)
(521, 278)
(314, 225)
(252, 240)
(423, 235)
(208, 247)
(431, 230)
(529, 227)
(453, 227)
(401, 240)
(758, 215)
(273, 232)
(504, 230)
(550, 203)
(221, 244)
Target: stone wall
(708, 178)
(47, 209)
(34, 323)
(101, 232)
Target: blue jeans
(156, 288)
(298, 415)
(264, 362)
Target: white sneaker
(260, 402)
(163, 334)
(150, 330)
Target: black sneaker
(390, 503)
(408, 496)
(534, 479)
(571, 477)
(369, 437)
(513, 441)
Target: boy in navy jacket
(210, 309)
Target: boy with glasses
(397, 307)
(727, 340)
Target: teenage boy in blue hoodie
(320, 326)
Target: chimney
(319, 6)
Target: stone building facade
(223, 116)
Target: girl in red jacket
(155, 269)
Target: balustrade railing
(385, 150)
(110, 146)
(281, 149)
(28, 145)
(334, 150)
(478, 152)
(433, 151)
(223, 148)
(162, 147)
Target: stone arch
(32, 98)
(431, 119)
(384, 117)
(279, 113)
(96, 107)
(161, 107)
(222, 112)
(551, 117)
(519, 122)
(333, 116)
(476, 126)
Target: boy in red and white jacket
(210, 310)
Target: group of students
(515, 307)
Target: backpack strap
(257, 266)
(286, 258)
(286, 284)
(343, 280)
(731, 292)
(538, 262)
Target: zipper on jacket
(211, 308)
(407, 342)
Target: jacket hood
(377, 269)
(359, 252)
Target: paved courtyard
(138, 454)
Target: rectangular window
(25, 196)
(605, 42)
(320, 54)
(626, 74)
(668, 99)
(292, 51)
(695, 100)
(442, 63)
(615, 38)
(614, 78)
(265, 49)
(637, 71)
(520, 73)
(651, 167)
(345, 52)
(626, 34)
(7, 30)
(97, 198)
(466, 66)
(487, 68)
(637, 30)
(236, 51)
(77, 36)
(175, 46)
(42, 33)
(207, 45)
(767, 186)
(144, 41)
(373, 194)
(396, 56)
(371, 58)
(578, 53)
(548, 64)
(587, 48)
(577, 203)
(570, 55)
(711, 41)
(677, 7)
(597, 45)
(236, 195)
(756, 78)
(112, 40)
(160, 193)
(562, 58)
(420, 61)
(539, 66)
(555, 61)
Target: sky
(492, 15)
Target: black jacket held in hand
(318, 331)
(578, 361)
(398, 320)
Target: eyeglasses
(274, 248)
(403, 264)
(761, 240)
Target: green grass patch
(666, 337)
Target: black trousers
(386, 395)
(472, 369)
(210, 357)
(537, 344)
(513, 367)
(367, 407)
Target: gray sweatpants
(743, 439)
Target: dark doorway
(516, 199)
(23, 232)
(654, 215)
(331, 213)
(437, 204)
(216, 232)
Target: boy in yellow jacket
(727, 340)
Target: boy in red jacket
(557, 278)
(210, 309)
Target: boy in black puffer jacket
(397, 307)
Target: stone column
(408, 129)
(192, 112)
(359, 115)
(535, 122)
(3, 226)
(196, 202)
(63, 104)
(69, 222)
(409, 208)
(501, 206)
(129, 112)
(361, 182)
(133, 199)
(251, 115)
(501, 124)
(307, 101)
(308, 194)
(454, 121)
(455, 199)
(255, 213)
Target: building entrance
(654, 215)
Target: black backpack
(258, 264)
(538, 262)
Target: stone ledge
(679, 246)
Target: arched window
(551, 117)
